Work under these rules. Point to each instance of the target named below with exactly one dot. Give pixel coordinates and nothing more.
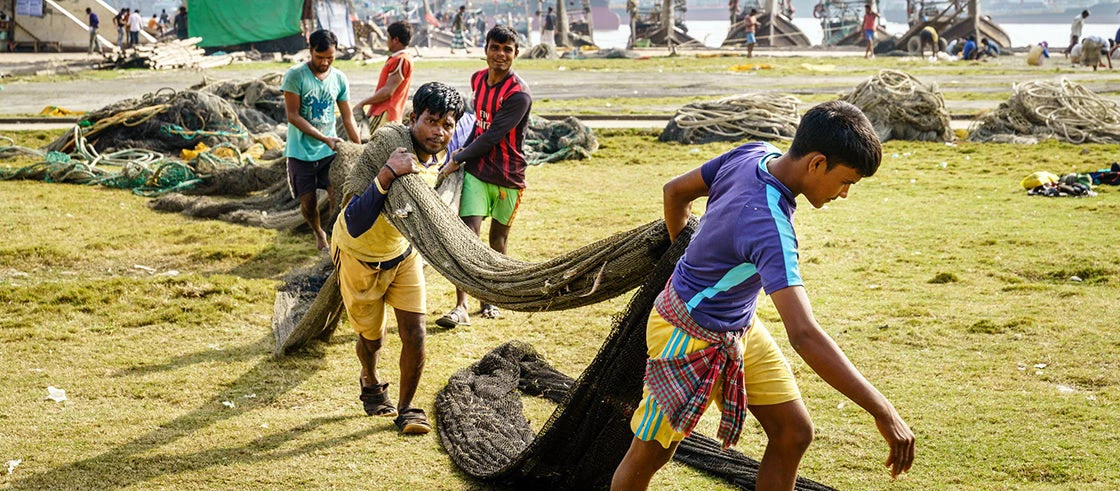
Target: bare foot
(321, 240)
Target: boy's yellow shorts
(365, 291)
(766, 374)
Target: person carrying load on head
(377, 267)
(705, 342)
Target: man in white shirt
(1075, 30)
(134, 23)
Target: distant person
(1091, 49)
(548, 29)
(1075, 30)
(1038, 53)
(870, 21)
(990, 48)
(94, 24)
(181, 23)
(134, 26)
(459, 31)
(970, 52)
(164, 19)
(955, 46)
(750, 25)
(153, 25)
(387, 102)
(121, 21)
(1115, 44)
(928, 37)
(311, 92)
(733, 6)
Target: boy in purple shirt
(705, 342)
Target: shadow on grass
(238, 353)
(140, 460)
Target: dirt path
(84, 95)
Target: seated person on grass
(705, 342)
(378, 267)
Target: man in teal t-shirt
(311, 91)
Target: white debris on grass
(1040, 365)
(55, 394)
(1065, 389)
(12, 464)
(228, 404)
(1075, 278)
(149, 269)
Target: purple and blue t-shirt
(745, 240)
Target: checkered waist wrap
(681, 385)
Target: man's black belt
(391, 263)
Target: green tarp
(230, 22)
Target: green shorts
(482, 199)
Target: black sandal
(413, 421)
(375, 400)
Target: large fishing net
(1039, 110)
(901, 107)
(163, 121)
(259, 102)
(553, 141)
(735, 118)
(482, 424)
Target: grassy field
(947, 285)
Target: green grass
(147, 360)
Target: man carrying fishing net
(376, 264)
(704, 341)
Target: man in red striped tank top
(493, 157)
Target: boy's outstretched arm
(679, 194)
(825, 357)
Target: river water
(712, 32)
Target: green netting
(230, 22)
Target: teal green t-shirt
(317, 101)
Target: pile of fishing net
(481, 422)
(541, 52)
(145, 172)
(735, 118)
(552, 141)
(259, 102)
(1039, 110)
(164, 121)
(900, 107)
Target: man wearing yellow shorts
(378, 267)
(705, 342)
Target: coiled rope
(901, 107)
(765, 116)
(1041, 109)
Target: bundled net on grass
(259, 102)
(541, 52)
(145, 172)
(163, 121)
(482, 424)
(735, 118)
(1062, 110)
(553, 141)
(900, 107)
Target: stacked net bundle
(735, 118)
(145, 172)
(164, 121)
(553, 141)
(259, 102)
(900, 107)
(1062, 110)
(541, 52)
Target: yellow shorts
(365, 291)
(766, 373)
